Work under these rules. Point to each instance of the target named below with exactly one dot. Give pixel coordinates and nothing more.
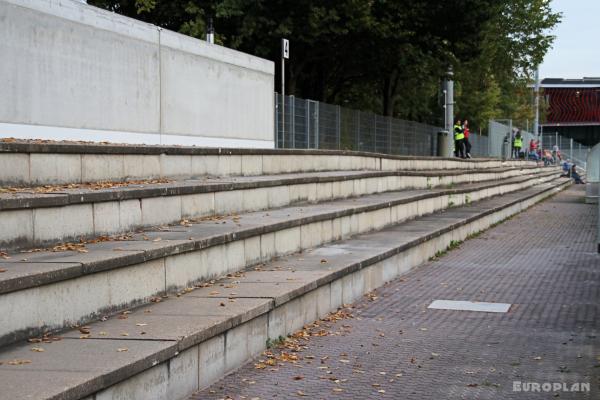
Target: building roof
(587, 82)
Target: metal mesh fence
(315, 125)
(479, 145)
(501, 136)
(311, 124)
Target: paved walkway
(542, 261)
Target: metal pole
(283, 99)
(210, 31)
(536, 122)
(450, 109)
(307, 114)
(292, 120)
(571, 148)
(357, 130)
(277, 120)
(339, 126)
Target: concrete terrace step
(170, 349)
(34, 217)
(32, 163)
(50, 290)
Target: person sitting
(547, 157)
(533, 154)
(576, 177)
(566, 168)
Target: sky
(576, 49)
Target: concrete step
(44, 163)
(52, 289)
(45, 215)
(170, 349)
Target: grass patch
(275, 342)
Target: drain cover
(469, 306)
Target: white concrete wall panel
(65, 65)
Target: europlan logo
(519, 386)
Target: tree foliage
(388, 56)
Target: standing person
(459, 140)
(467, 143)
(555, 153)
(518, 144)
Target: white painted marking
(469, 306)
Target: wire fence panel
(311, 124)
(328, 126)
(479, 145)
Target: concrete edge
(117, 149)
(124, 259)
(181, 188)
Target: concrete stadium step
(44, 215)
(52, 289)
(170, 349)
(46, 163)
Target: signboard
(285, 48)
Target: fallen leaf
(300, 393)
(537, 358)
(37, 349)
(323, 261)
(122, 349)
(140, 324)
(472, 385)
(338, 390)
(18, 362)
(2, 270)
(298, 378)
(84, 329)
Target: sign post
(285, 54)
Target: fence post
(338, 120)
(389, 135)
(571, 148)
(293, 120)
(317, 142)
(277, 138)
(357, 130)
(307, 124)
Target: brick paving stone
(543, 261)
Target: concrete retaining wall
(76, 72)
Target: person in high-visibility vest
(518, 144)
(459, 140)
